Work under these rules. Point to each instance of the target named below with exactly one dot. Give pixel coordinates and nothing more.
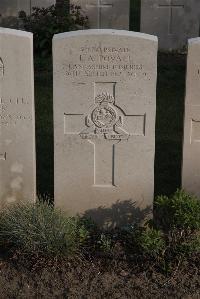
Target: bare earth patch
(99, 278)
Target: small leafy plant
(105, 243)
(180, 211)
(179, 217)
(150, 241)
(45, 22)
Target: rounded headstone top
(113, 32)
(195, 40)
(15, 32)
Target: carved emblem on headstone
(105, 120)
(104, 116)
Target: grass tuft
(40, 229)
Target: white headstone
(173, 21)
(17, 125)
(191, 148)
(106, 14)
(104, 119)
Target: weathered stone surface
(104, 122)
(106, 14)
(173, 21)
(8, 9)
(43, 3)
(191, 148)
(17, 130)
(12, 7)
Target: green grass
(40, 229)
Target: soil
(97, 278)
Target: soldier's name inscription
(105, 61)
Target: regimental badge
(105, 120)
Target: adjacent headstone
(106, 14)
(173, 21)
(17, 129)
(191, 148)
(10, 8)
(42, 3)
(9, 11)
(104, 121)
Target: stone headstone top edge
(16, 32)
(195, 40)
(104, 32)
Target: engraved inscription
(7, 115)
(104, 61)
(195, 131)
(12, 110)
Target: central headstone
(17, 119)
(104, 113)
(108, 14)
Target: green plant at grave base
(105, 243)
(173, 234)
(45, 22)
(189, 245)
(150, 241)
(40, 229)
(180, 211)
(179, 217)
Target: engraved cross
(104, 127)
(99, 5)
(171, 8)
(3, 156)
